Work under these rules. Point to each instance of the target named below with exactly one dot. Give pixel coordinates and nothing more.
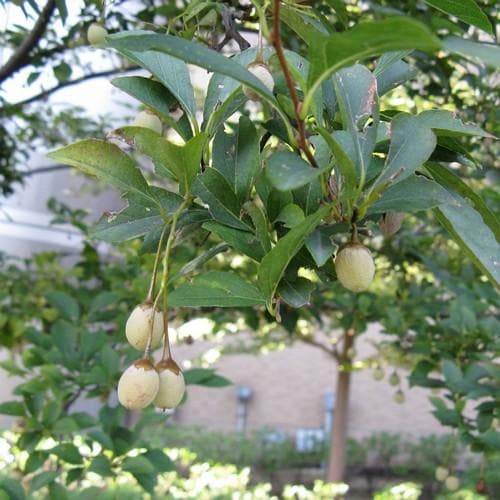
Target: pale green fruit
(452, 483)
(139, 325)
(148, 120)
(355, 267)
(138, 385)
(172, 385)
(262, 73)
(399, 397)
(394, 379)
(441, 473)
(96, 34)
(378, 373)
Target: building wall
(289, 386)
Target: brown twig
(21, 57)
(278, 46)
(231, 32)
(76, 81)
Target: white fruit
(138, 385)
(355, 267)
(172, 385)
(378, 374)
(148, 120)
(262, 73)
(399, 397)
(452, 483)
(394, 379)
(441, 473)
(139, 325)
(96, 34)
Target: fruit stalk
(152, 285)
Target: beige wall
(288, 393)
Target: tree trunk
(336, 466)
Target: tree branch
(276, 41)
(231, 32)
(320, 345)
(43, 170)
(46, 93)
(21, 56)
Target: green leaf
(467, 227)
(393, 75)
(64, 336)
(340, 9)
(356, 90)
(35, 461)
(302, 24)
(62, 72)
(224, 95)
(216, 289)
(215, 381)
(488, 54)
(138, 465)
(51, 412)
(196, 375)
(170, 71)
(291, 215)
(452, 373)
(155, 96)
(110, 360)
(12, 488)
(58, 491)
(67, 452)
(243, 241)
(205, 377)
(43, 479)
(138, 218)
(181, 162)
(448, 179)
(66, 305)
(412, 143)
(286, 170)
(260, 222)
(465, 10)
(446, 123)
(190, 52)
(447, 416)
(74, 474)
(222, 202)
(274, 264)
(160, 460)
(105, 161)
(411, 195)
(320, 246)
(201, 259)
(101, 465)
(331, 53)
(344, 162)
(492, 439)
(102, 438)
(237, 157)
(296, 293)
(13, 408)
(147, 481)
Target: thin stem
(278, 46)
(163, 286)
(164, 278)
(152, 285)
